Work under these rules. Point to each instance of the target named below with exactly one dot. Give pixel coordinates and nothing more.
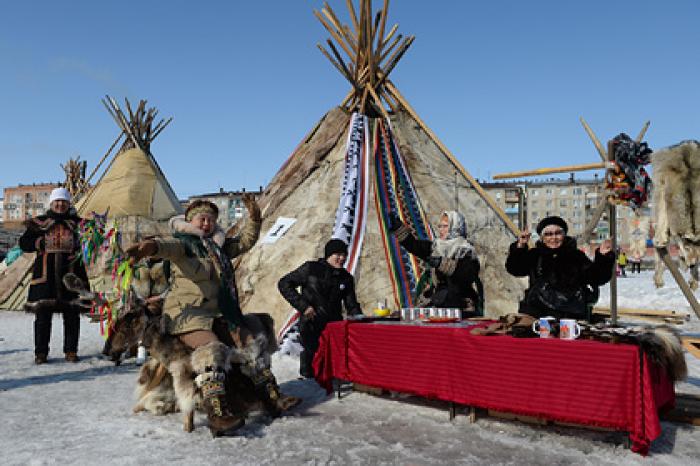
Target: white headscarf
(456, 245)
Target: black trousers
(309, 332)
(42, 330)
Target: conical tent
(132, 190)
(133, 184)
(365, 158)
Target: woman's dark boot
(222, 421)
(270, 394)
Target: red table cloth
(583, 382)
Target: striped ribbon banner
(394, 191)
(351, 216)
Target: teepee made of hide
(398, 164)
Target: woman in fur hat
(203, 294)
(54, 239)
(454, 266)
(325, 287)
(563, 280)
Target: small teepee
(132, 190)
(133, 184)
(365, 158)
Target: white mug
(543, 326)
(569, 329)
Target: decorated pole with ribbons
(102, 245)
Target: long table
(583, 382)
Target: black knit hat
(335, 246)
(553, 220)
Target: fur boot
(253, 362)
(209, 363)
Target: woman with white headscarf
(454, 266)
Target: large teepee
(132, 190)
(369, 156)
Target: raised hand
(524, 238)
(252, 206)
(605, 246)
(394, 221)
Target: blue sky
(502, 83)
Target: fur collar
(178, 224)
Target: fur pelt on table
(661, 344)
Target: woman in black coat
(454, 273)
(563, 280)
(54, 238)
(325, 286)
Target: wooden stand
(682, 284)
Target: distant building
(26, 201)
(2, 209)
(230, 204)
(528, 202)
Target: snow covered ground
(61, 413)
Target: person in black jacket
(454, 273)
(325, 287)
(54, 238)
(563, 280)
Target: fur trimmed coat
(193, 300)
(54, 238)
(565, 272)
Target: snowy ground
(62, 413)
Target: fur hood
(178, 224)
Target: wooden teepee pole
(475, 184)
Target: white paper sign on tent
(278, 229)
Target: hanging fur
(677, 205)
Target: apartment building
(26, 201)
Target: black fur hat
(553, 220)
(335, 246)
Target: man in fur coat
(203, 296)
(54, 239)
(325, 286)
(563, 280)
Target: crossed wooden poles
(365, 54)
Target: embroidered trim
(402, 233)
